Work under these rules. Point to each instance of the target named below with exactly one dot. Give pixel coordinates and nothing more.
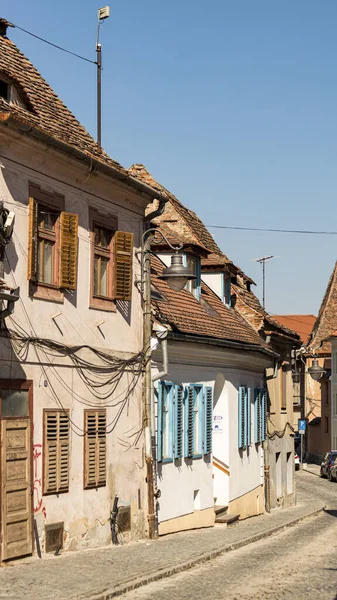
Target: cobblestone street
(300, 562)
(297, 562)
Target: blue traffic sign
(302, 425)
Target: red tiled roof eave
(185, 314)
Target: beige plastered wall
(248, 505)
(85, 513)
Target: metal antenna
(102, 13)
(262, 262)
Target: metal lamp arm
(157, 239)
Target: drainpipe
(163, 373)
(147, 384)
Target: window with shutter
(189, 422)
(94, 448)
(193, 421)
(260, 415)
(178, 421)
(32, 240)
(208, 420)
(249, 416)
(56, 452)
(112, 261)
(123, 266)
(52, 245)
(68, 250)
(165, 425)
(242, 417)
(257, 416)
(263, 414)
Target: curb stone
(189, 564)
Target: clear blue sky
(232, 105)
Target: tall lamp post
(176, 276)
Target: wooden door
(16, 500)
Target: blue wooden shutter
(241, 416)
(178, 421)
(208, 419)
(249, 418)
(256, 415)
(263, 414)
(189, 422)
(167, 421)
(160, 422)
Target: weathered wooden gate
(16, 476)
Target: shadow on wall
(218, 410)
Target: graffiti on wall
(37, 482)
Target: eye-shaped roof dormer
(11, 93)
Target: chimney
(3, 27)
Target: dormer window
(226, 289)
(10, 92)
(193, 286)
(4, 90)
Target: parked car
(333, 471)
(297, 462)
(327, 463)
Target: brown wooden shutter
(56, 452)
(68, 250)
(63, 457)
(95, 449)
(123, 246)
(32, 239)
(101, 444)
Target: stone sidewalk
(108, 572)
(312, 468)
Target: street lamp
(176, 276)
(316, 371)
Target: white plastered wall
(178, 480)
(85, 512)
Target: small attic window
(11, 93)
(3, 89)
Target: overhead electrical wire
(296, 231)
(54, 45)
(21, 340)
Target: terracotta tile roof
(182, 223)
(250, 307)
(178, 218)
(326, 321)
(209, 317)
(46, 112)
(302, 324)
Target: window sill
(58, 493)
(101, 304)
(95, 487)
(45, 292)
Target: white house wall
(206, 365)
(215, 282)
(85, 512)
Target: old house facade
(233, 288)
(214, 351)
(71, 354)
(321, 435)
